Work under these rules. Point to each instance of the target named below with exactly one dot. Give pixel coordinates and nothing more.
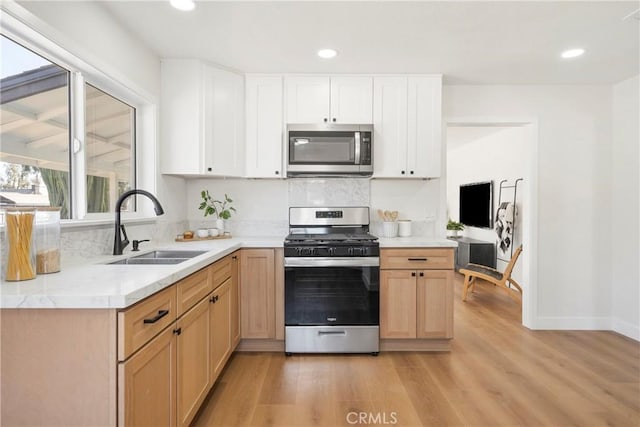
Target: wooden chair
(474, 271)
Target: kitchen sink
(169, 254)
(160, 258)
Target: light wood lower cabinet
(193, 366)
(434, 298)
(151, 364)
(147, 391)
(258, 293)
(416, 303)
(220, 338)
(397, 304)
(235, 299)
(192, 350)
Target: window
(109, 125)
(34, 130)
(77, 155)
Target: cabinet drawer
(417, 258)
(138, 324)
(192, 289)
(221, 271)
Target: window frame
(145, 132)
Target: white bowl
(213, 232)
(202, 232)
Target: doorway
(501, 151)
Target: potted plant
(221, 209)
(453, 228)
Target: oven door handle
(332, 262)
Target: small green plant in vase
(454, 228)
(221, 209)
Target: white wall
(495, 157)
(573, 186)
(624, 216)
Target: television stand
(475, 252)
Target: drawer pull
(332, 332)
(159, 316)
(417, 259)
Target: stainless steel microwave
(330, 150)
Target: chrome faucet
(118, 243)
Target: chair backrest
(512, 263)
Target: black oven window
(331, 296)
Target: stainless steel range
(332, 282)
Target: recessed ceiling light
(327, 53)
(183, 4)
(572, 53)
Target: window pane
(110, 143)
(34, 129)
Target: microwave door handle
(357, 149)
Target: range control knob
(308, 251)
(331, 251)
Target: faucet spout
(118, 243)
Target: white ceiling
(473, 42)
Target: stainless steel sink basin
(170, 254)
(160, 257)
(150, 261)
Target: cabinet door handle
(326, 120)
(277, 172)
(411, 172)
(209, 169)
(421, 274)
(413, 274)
(417, 259)
(213, 299)
(334, 119)
(177, 331)
(159, 316)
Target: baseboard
(261, 345)
(627, 329)
(573, 323)
(588, 324)
(268, 345)
(415, 345)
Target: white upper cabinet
(226, 118)
(202, 119)
(352, 99)
(264, 126)
(329, 99)
(407, 126)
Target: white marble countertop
(416, 242)
(95, 284)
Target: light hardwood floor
(498, 373)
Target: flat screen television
(476, 204)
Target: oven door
(332, 291)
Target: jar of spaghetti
(19, 244)
(47, 240)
